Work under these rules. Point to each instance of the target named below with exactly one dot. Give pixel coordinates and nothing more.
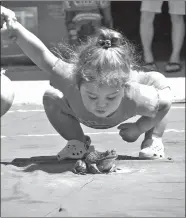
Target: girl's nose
(101, 104)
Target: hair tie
(105, 43)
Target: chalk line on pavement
(41, 110)
(25, 111)
(87, 133)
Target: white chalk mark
(174, 130)
(26, 111)
(88, 133)
(41, 110)
(2, 136)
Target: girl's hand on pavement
(129, 132)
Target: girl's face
(101, 100)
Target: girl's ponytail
(106, 58)
(108, 38)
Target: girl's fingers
(122, 133)
(122, 126)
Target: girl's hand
(129, 132)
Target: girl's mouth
(100, 111)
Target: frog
(96, 162)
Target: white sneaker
(152, 149)
(75, 149)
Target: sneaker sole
(149, 157)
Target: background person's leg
(147, 34)
(148, 11)
(176, 10)
(7, 94)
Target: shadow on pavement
(50, 164)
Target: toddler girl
(99, 88)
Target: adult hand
(129, 132)
(8, 19)
(6, 16)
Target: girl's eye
(111, 98)
(92, 97)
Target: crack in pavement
(60, 208)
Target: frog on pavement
(96, 162)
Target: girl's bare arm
(34, 48)
(165, 100)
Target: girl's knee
(52, 96)
(51, 99)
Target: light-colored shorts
(175, 6)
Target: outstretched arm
(31, 45)
(34, 48)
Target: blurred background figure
(82, 18)
(148, 11)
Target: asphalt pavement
(35, 184)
